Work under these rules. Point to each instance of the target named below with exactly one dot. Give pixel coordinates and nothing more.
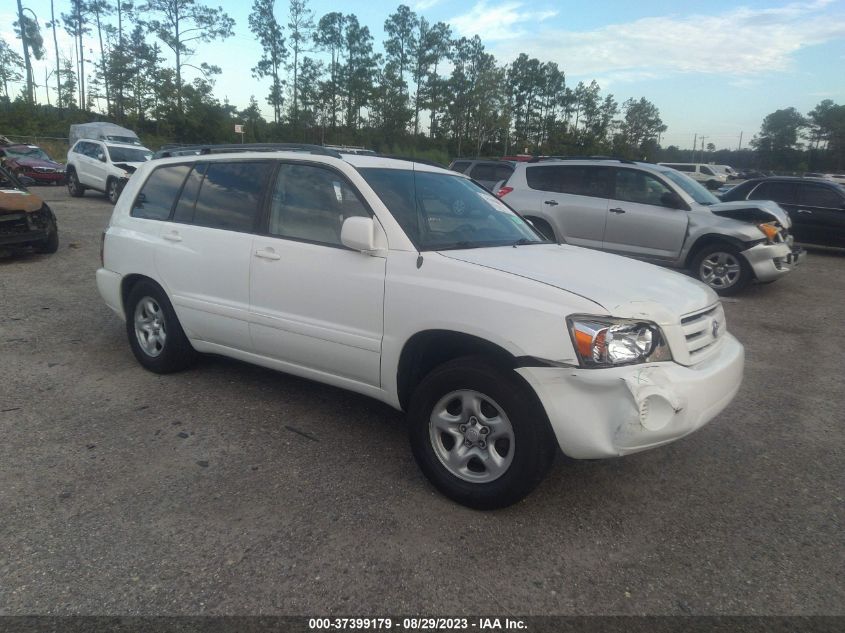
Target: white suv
(415, 286)
(103, 166)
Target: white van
(709, 175)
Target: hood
(752, 211)
(623, 287)
(128, 167)
(36, 162)
(13, 200)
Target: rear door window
(231, 195)
(184, 211)
(157, 196)
(585, 180)
(782, 192)
(819, 196)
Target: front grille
(13, 224)
(703, 330)
(45, 170)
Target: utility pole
(702, 147)
(694, 145)
(739, 147)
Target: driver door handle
(805, 211)
(617, 210)
(551, 203)
(268, 253)
(173, 236)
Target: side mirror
(26, 181)
(672, 200)
(358, 233)
(101, 157)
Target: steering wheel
(460, 208)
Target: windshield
(27, 152)
(129, 155)
(695, 190)
(442, 211)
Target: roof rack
(198, 150)
(538, 159)
(422, 161)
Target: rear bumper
(773, 261)
(598, 413)
(109, 283)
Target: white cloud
(494, 23)
(741, 42)
(424, 5)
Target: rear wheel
(154, 332)
(479, 433)
(723, 268)
(74, 188)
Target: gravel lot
(230, 489)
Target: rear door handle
(173, 236)
(805, 211)
(617, 210)
(551, 203)
(268, 253)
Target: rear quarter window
(159, 192)
(460, 166)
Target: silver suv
(654, 213)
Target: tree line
(425, 89)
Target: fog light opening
(655, 412)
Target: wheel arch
(129, 282)
(428, 349)
(709, 239)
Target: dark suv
(816, 206)
(485, 172)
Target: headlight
(607, 342)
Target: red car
(32, 161)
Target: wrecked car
(25, 219)
(33, 162)
(657, 214)
(416, 286)
(103, 166)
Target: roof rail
(538, 159)
(193, 150)
(422, 161)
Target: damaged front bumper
(598, 413)
(772, 261)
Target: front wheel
(723, 268)
(74, 187)
(154, 332)
(479, 433)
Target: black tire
(51, 244)
(113, 190)
(74, 188)
(533, 447)
(737, 283)
(176, 353)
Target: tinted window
(503, 172)
(230, 195)
(778, 191)
(816, 196)
(638, 186)
(483, 171)
(158, 194)
(310, 203)
(543, 178)
(584, 181)
(187, 201)
(439, 211)
(707, 171)
(687, 168)
(460, 166)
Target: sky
(713, 69)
